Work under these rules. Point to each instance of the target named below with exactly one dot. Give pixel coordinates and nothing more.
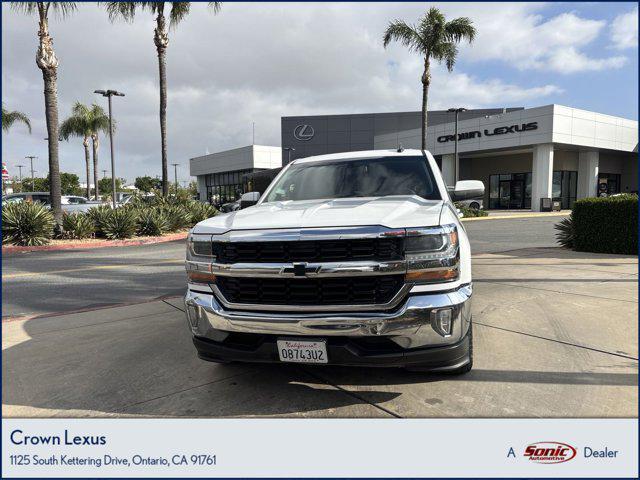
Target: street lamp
(20, 167)
(289, 150)
(31, 157)
(455, 151)
(109, 94)
(175, 175)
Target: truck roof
(359, 155)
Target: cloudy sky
(256, 62)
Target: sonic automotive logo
(549, 452)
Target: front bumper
(402, 337)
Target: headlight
(432, 254)
(199, 259)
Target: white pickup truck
(356, 258)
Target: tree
(70, 184)
(147, 184)
(48, 63)
(9, 118)
(99, 122)
(79, 125)
(434, 39)
(179, 10)
(105, 185)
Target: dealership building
(521, 155)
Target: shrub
(565, 236)
(471, 212)
(98, 215)
(77, 225)
(606, 225)
(200, 211)
(178, 217)
(119, 223)
(152, 221)
(27, 223)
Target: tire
(474, 205)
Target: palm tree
(99, 122)
(48, 62)
(179, 10)
(432, 38)
(9, 118)
(79, 125)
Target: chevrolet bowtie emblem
(300, 269)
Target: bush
(606, 225)
(471, 212)
(152, 221)
(77, 225)
(98, 215)
(200, 211)
(27, 223)
(565, 236)
(178, 217)
(119, 223)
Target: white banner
(319, 447)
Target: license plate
(302, 351)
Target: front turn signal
(197, 276)
(429, 276)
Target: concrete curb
(524, 215)
(13, 249)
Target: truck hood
(392, 212)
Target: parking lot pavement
(555, 335)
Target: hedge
(606, 225)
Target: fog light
(442, 321)
(193, 314)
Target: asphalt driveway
(555, 336)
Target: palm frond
(446, 52)
(11, 117)
(215, 6)
(121, 10)
(406, 34)
(460, 29)
(99, 120)
(179, 10)
(60, 9)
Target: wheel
(474, 205)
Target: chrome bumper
(409, 326)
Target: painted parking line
(96, 267)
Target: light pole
(104, 173)
(31, 157)
(289, 150)
(455, 151)
(19, 167)
(175, 175)
(109, 94)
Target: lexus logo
(303, 132)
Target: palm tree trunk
(48, 63)
(426, 81)
(161, 40)
(96, 146)
(87, 161)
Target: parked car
(356, 258)
(474, 203)
(70, 203)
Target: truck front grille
(374, 290)
(378, 249)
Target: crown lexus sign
(303, 132)
(524, 127)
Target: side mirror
(467, 189)
(249, 199)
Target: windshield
(369, 177)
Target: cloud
(257, 62)
(526, 40)
(624, 30)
